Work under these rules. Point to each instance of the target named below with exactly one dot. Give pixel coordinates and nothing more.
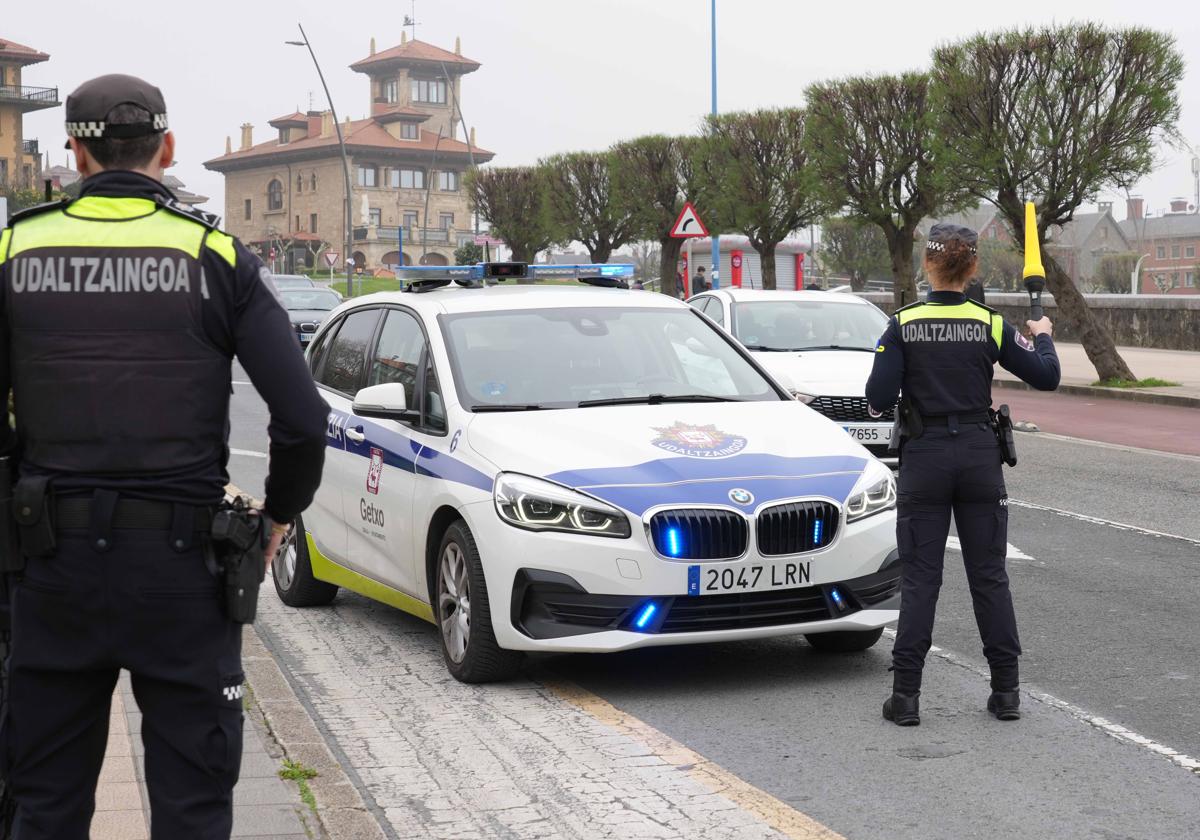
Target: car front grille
(699, 534)
(796, 527)
(746, 609)
(849, 410)
(308, 327)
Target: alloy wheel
(454, 602)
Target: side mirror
(387, 401)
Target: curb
(341, 811)
(1128, 394)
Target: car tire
(463, 613)
(844, 641)
(292, 572)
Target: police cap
(943, 233)
(89, 106)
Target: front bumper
(569, 593)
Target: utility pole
(716, 239)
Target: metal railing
(29, 147)
(22, 93)
(413, 236)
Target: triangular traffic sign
(688, 224)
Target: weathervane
(411, 20)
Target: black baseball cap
(90, 104)
(944, 233)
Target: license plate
(870, 432)
(305, 337)
(748, 577)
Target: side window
(434, 415)
(343, 368)
(397, 356)
(716, 311)
(316, 350)
(699, 302)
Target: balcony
(29, 98)
(413, 236)
(29, 147)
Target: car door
(379, 497)
(338, 363)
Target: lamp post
(716, 239)
(341, 145)
(1135, 275)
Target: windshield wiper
(504, 407)
(657, 399)
(762, 348)
(838, 347)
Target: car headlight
(538, 505)
(803, 397)
(874, 493)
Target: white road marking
(1096, 520)
(241, 382)
(1120, 447)
(249, 453)
(1113, 730)
(1012, 552)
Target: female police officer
(940, 353)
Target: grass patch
(298, 773)
(1148, 382)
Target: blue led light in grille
(818, 527)
(645, 615)
(674, 542)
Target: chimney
(1135, 206)
(314, 123)
(403, 37)
(457, 45)
(1105, 207)
(472, 137)
(228, 145)
(372, 45)
(1179, 205)
(247, 136)
(326, 123)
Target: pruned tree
(870, 143)
(651, 176)
(1000, 265)
(854, 248)
(581, 205)
(647, 257)
(468, 253)
(757, 178)
(1113, 271)
(1055, 115)
(512, 200)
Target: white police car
(550, 468)
(823, 343)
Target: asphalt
(1107, 619)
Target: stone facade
(20, 157)
(287, 194)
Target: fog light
(839, 601)
(646, 614)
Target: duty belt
(962, 419)
(75, 514)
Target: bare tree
(870, 142)
(581, 204)
(512, 200)
(1056, 115)
(854, 248)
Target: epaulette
(911, 305)
(210, 220)
(37, 210)
(984, 306)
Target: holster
(33, 513)
(238, 539)
(1003, 427)
(907, 425)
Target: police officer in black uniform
(940, 354)
(120, 315)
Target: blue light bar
(582, 270)
(818, 527)
(674, 543)
(645, 615)
(437, 272)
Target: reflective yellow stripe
(965, 311)
(325, 569)
(221, 244)
(160, 229)
(109, 208)
(5, 235)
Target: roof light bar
(606, 274)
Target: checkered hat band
(95, 130)
(939, 246)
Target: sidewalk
(1172, 365)
(264, 805)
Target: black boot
(1005, 705)
(903, 709)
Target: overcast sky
(557, 75)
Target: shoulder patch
(210, 220)
(37, 210)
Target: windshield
(807, 325)
(559, 358)
(282, 282)
(300, 299)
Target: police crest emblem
(375, 470)
(698, 441)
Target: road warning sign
(688, 224)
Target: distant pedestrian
(701, 283)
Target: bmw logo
(741, 497)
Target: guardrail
(23, 93)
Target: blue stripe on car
(669, 470)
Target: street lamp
(1135, 275)
(341, 145)
(716, 239)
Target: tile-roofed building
(1169, 244)
(20, 156)
(407, 159)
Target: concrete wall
(1166, 322)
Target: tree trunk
(858, 281)
(766, 255)
(1096, 341)
(900, 248)
(601, 253)
(668, 265)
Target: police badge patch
(375, 470)
(1024, 342)
(698, 441)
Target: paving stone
(265, 820)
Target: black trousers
(78, 618)
(953, 469)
